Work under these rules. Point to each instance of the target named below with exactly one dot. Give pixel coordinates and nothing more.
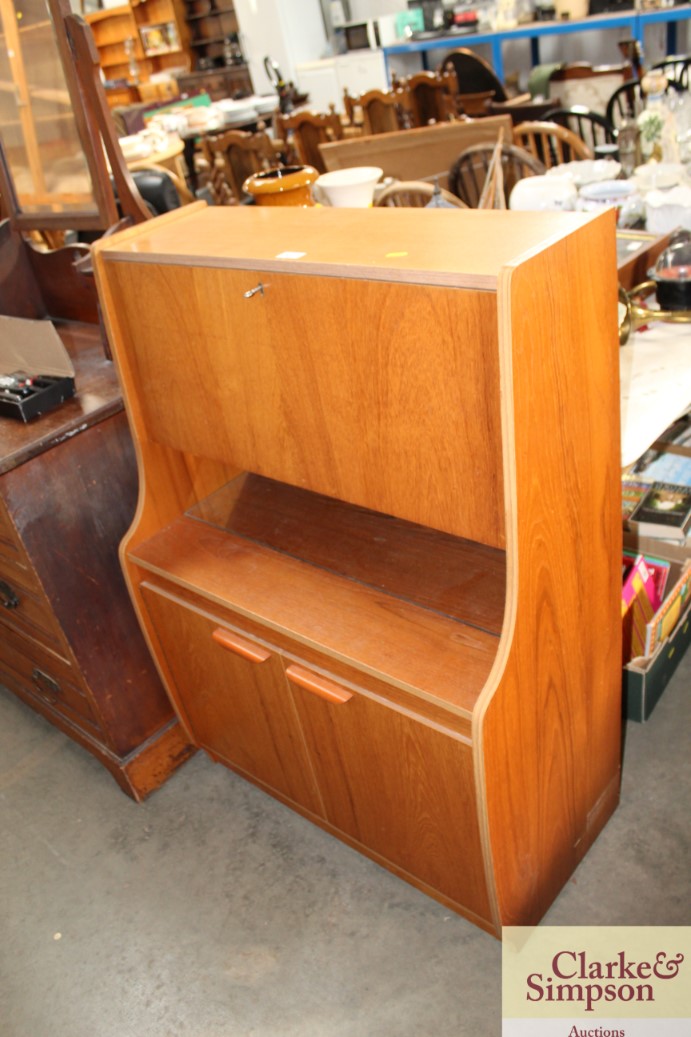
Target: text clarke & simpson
(574, 965)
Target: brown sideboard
(225, 81)
(376, 554)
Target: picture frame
(159, 39)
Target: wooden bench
(417, 154)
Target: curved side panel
(170, 481)
(549, 734)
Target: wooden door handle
(247, 649)
(326, 689)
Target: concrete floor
(213, 911)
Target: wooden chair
(232, 157)
(591, 127)
(474, 106)
(468, 174)
(676, 67)
(184, 195)
(406, 194)
(385, 111)
(550, 143)
(97, 119)
(432, 96)
(305, 131)
(473, 74)
(129, 186)
(350, 107)
(628, 101)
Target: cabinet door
(294, 393)
(396, 785)
(232, 696)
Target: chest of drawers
(70, 644)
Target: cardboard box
(34, 348)
(645, 678)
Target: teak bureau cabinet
(376, 553)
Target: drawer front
(11, 550)
(25, 608)
(27, 667)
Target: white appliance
(287, 31)
(325, 80)
(371, 33)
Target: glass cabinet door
(45, 160)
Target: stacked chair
(406, 194)
(675, 67)
(468, 175)
(593, 128)
(550, 143)
(432, 97)
(628, 100)
(383, 111)
(232, 157)
(303, 131)
(416, 100)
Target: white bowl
(200, 118)
(667, 210)
(588, 170)
(658, 176)
(236, 111)
(348, 188)
(135, 146)
(606, 192)
(264, 103)
(617, 194)
(543, 194)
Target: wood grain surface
(552, 731)
(455, 370)
(454, 577)
(441, 659)
(420, 153)
(97, 396)
(284, 395)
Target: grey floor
(213, 911)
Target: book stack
(656, 572)
(649, 610)
(639, 599)
(664, 511)
(669, 459)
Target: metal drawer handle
(7, 596)
(320, 686)
(44, 683)
(247, 649)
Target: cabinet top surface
(97, 397)
(447, 245)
